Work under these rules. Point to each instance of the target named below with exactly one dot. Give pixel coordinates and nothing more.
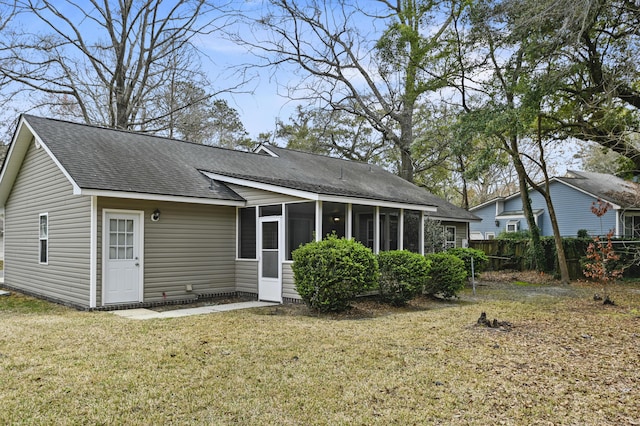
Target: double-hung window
(44, 238)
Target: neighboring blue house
(573, 196)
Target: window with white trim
(489, 235)
(513, 226)
(43, 250)
(449, 237)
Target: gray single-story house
(572, 195)
(100, 218)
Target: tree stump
(483, 321)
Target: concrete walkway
(143, 314)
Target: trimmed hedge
(329, 274)
(403, 275)
(447, 277)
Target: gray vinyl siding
(258, 197)
(41, 187)
(247, 276)
(190, 244)
(288, 284)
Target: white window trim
(513, 222)
(489, 234)
(40, 239)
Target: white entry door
(122, 278)
(270, 259)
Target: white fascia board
(379, 203)
(158, 197)
(262, 147)
(448, 219)
(314, 196)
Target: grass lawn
(566, 360)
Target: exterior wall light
(155, 216)
(497, 222)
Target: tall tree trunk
(546, 193)
(562, 258)
(465, 189)
(537, 252)
(406, 139)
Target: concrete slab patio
(143, 314)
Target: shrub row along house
(573, 195)
(102, 218)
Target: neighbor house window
(44, 238)
(449, 237)
(247, 233)
(632, 226)
(489, 235)
(513, 226)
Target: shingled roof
(104, 159)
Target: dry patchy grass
(567, 360)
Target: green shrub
(329, 274)
(583, 233)
(448, 275)
(480, 260)
(403, 275)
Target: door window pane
(270, 235)
(121, 244)
(270, 264)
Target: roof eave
(159, 197)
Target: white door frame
(105, 249)
(264, 292)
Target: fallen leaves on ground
(566, 359)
